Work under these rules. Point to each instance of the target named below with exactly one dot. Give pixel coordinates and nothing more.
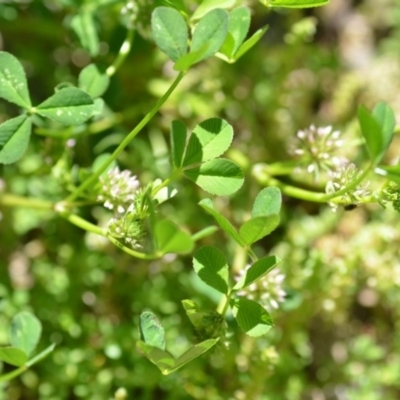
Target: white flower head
(268, 290)
(117, 189)
(317, 149)
(342, 177)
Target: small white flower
(268, 290)
(342, 177)
(317, 148)
(117, 189)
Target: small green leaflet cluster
(377, 127)
(216, 30)
(212, 268)
(197, 158)
(69, 105)
(153, 345)
(25, 331)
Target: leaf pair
(25, 331)
(212, 268)
(265, 217)
(235, 45)
(68, 106)
(217, 30)
(153, 345)
(170, 32)
(198, 158)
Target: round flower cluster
(317, 149)
(342, 178)
(267, 291)
(117, 189)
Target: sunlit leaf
(170, 239)
(178, 142)
(69, 106)
(93, 81)
(224, 224)
(239, 23)
(210, 139)
(151, 330)
(194, 352)
(25, 332)
(14, 138)
(84, 26)
(212, 268)
(161, 358)
(220, 177)
(252, 318)
(257, 228)
(13, 84)
(256, 271)
(207, 5)
(170, 32)
(249, 43)
(211, 32)
(13, 356)
(267, 202)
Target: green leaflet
(170, 32)
(13, 84)
(212, 268)
(210, 33)
(178, 142)
(256, 228)
(151, 330)
(93, 81)
(14, 138)
(69, 106)
(13, 356)
(239, 23)
(170, 239)
(252, 318)
(84, 26)
(256, 271)
(224, 224)
(210, 139)
(220, 177)
(25, 332)
(267, 202)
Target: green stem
(167, 181)
(204, 233)
(132, 252)
(82, 223)
(93, 178)
(224, 304)
(292, 191)
(87, 226)
(13, 374)
(11, 200)
(123, 52)
(251, 254)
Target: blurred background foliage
(337, 333)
